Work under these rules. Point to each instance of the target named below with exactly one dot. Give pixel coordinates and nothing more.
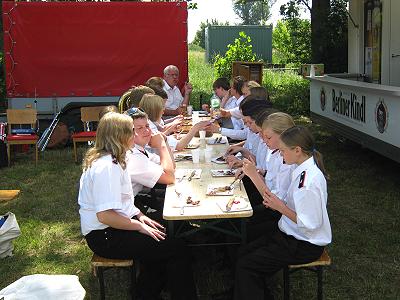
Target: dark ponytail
(302, 137)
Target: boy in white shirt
(147, 169)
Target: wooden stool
(315, 266)
(99, 264)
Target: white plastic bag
(41, 286)
(8, 231)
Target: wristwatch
(220, 129)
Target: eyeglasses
(172, 75)
(133, 111)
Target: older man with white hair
(175, 98)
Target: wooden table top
(197, 188)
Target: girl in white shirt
(114, 227)
(276, 179)
(304, 228)
(153, 105)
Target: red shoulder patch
(302, 178)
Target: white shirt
(236, 134)
(175, 97)
(279, 175)
(105, 185)
(307, 196)
(172, 142)
(235, 111)
(252, 141)
(263, 154)
(143, 170)
(231, 103)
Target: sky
(222, 11)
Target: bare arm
(185, 140)
(272, 201)
(187, 91)
(249, 168)
(115, 220)
(158, 142)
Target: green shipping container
(217, 38)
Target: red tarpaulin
(90, 48)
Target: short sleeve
(308, 210)
(107, 187)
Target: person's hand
(150, 222)
(176, 122)
(205, 107)
(164, 136)
(272, 201)
(236, 164)
(188, 88)
(212, 127)
(230, 158)
(224, 113)
(152, 232)
(202, 125)
(156, 141)
(249, 167)
(233, 150)
(178, 117)
(239, 174)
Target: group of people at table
(282, 172)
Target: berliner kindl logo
(381, 116)
(322, 99)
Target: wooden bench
(99, 264)
(315, 266)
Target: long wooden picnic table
(210, 213)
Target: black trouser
(163, 262)
(264, 220)
(264, 257)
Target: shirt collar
(304, 166)
(240, 99)
(167, 86)
(138, 147)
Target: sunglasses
(133, 111)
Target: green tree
(253, 12)
(240, 50)
(200, 36)
(328, 30)
(291, 41)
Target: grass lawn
(364, 209)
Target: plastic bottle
(215, 102)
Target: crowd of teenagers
(122, 187)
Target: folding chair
(21, 136)
(88, 114)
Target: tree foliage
(328, 30)
(200, 36)
(255, 12)
(240, 50)
(291, 41)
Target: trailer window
(373, 40)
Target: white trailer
(364, 104)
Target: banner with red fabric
(58, 49)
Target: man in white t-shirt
(147, 169)
(175, 98)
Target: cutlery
(229, 204)
(233, 183)
(183, 206)
(180, 180)
(191, 175)
(219, 139)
